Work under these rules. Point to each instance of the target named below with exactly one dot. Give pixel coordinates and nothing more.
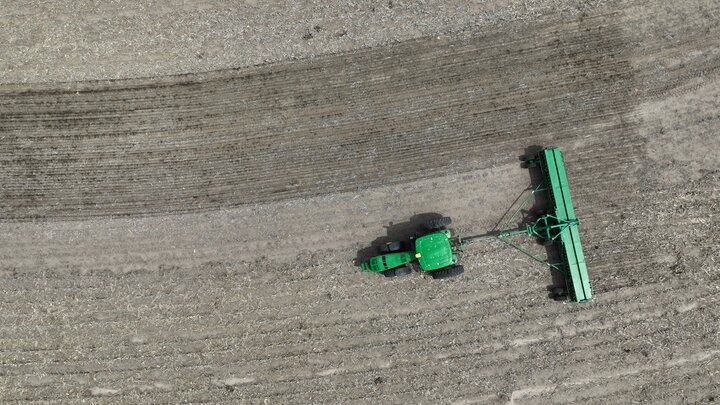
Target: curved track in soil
(315, 126)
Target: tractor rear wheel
(437, 223)
(447, 273)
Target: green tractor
(434, 250)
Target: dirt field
(192, 238)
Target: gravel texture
(195, 238)
(70, 40)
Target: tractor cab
(434, 251)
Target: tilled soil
(74, 40)
(194, 238)
(340, 123)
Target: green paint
(435, 251)
(387, 261)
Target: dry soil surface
(192, 238)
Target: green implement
(558, 226)
(571, 253)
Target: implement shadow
(540, 206)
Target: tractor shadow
(540, 206)
(396, 231)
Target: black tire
(389, 273)
(394, 246)
(447, 273)
(438, 274)
(402, 271)
(437, 223)
(531, 153)
(528, 161)
(559, 294)
(389, 247)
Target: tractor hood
(387, 261)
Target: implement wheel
(559, 294)
(447, 273)
(437, 223)
(529, 159)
